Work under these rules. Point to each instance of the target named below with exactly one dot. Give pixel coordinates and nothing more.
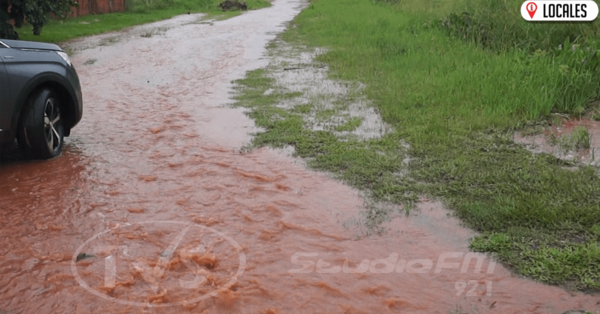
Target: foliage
(34, 12)
(498, 25)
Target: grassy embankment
(455, 86)
(138, 12)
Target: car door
(4, 92)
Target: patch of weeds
(532, 130)
(553, 140)
(581, 138)
(147, 33)
(572, 266)
(109, 41)
(90, 61)
(289, 95)
(325, 114)
(349, 126)
(557, 120)
(595, 114)
(595, 230)
(374, 216)
(578, 139)
(302, 109)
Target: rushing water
(152, 208)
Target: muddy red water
(539, 143)
(152, 208)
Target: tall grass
(569, 51)
(497, 24)
(453, 78)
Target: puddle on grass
(334, 105)
(157, 143)
(576, 140)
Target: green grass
(138, 13)
(456, 102)
(497, 25)
(579, 139)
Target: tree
(14, 13)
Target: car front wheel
(42, 129)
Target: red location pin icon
(531, 8)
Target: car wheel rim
(51, 124)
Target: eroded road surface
(153, 209)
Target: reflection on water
(156, 144)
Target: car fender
(73, 102)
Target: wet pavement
(152, 208)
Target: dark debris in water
(82, 256)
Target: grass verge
(456, 102)
(139, 12)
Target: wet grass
(139, 12)
(595, 114)
(578, 139)
(497, 25)
(456, 103)
(147, 33)
(371, 165)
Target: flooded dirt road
(153, 209)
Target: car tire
(41, 130)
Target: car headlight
(65, 57)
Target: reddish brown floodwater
(167, 216)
